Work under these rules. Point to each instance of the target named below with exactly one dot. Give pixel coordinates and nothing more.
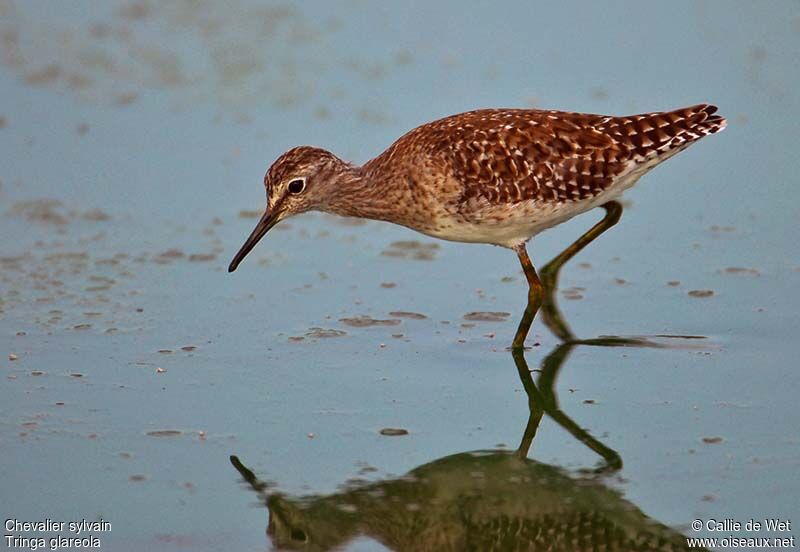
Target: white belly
(510, 226)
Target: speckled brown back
(510, 155)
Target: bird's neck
(361, 193)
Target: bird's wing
(509, 156)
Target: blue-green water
(133, 143)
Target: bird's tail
(692, 123)
(665, 133)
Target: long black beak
(267, 221)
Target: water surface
(134, 138)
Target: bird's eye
(297, 186)
(299, 535)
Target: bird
(491, 176)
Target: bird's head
(300, 180)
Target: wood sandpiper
(496, 176)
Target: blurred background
(134, 137)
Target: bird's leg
(551, 316)
(541, 293)
(612, 216)
(535, 293)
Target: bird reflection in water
(489, 499)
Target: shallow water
(134, 138)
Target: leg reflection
(542, 399)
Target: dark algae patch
(701, 293)
(165, 433)
(324, 333)
(479, 316)
(412, 249)
(366, 321)
(393, 431)
(406, 314)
